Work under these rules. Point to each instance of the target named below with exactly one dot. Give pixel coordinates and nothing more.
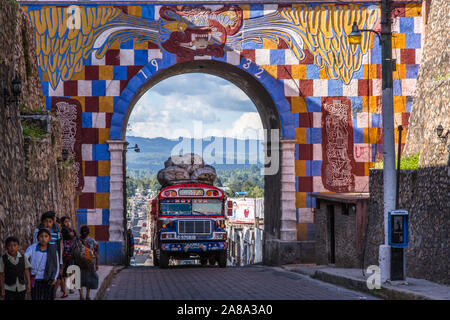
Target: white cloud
(249, 123)
(217, 92)
(234, 92)
(176, 106)
(214, 132)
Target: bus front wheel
(163, 259)
(223, 259)
(155, 259)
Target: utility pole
(389, 175)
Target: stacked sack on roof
(189, 167)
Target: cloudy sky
(191, 105)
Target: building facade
(97, 57)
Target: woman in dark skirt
(69, 236)
(89, 277)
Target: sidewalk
(105, 275)
(412, 289)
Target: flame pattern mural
(323, 30)
(61, 43)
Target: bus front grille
(194, 226)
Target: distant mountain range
(234, 153)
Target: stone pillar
(116, 193)
(288, 230)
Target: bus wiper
(205, 214)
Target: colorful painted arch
(301, 49)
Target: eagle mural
(66, 36)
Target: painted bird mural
(67, 36)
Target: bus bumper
(193, 246)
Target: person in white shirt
(44, 262)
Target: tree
(230, 194)
(154, 184)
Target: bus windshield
(192, 206)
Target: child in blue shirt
(44, 260)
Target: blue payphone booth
(398, 228)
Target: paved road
(192, 282)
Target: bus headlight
(168, 235)
(220, 235)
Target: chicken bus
(189, 222)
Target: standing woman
(44, 262)
(89, 277)
(68, 235)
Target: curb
(385, 292)
(106, 282)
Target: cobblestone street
(213, 283)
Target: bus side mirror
(230, 208)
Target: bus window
(209, 206)
(175, 208)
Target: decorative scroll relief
(69, 116)
(337, 145)
(188, 31)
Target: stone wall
(17, 51)
(47, 176)
(431, 105)
(424, 193)
(31, 179)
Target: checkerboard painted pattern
(98, 87)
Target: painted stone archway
(274, 109)
(91, 52)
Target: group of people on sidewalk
(43, 267)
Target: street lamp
(355, 36)
(439, 131)
(16, 86)
(136, 148)
(16, 91)
(389, 176)
(64, 155)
